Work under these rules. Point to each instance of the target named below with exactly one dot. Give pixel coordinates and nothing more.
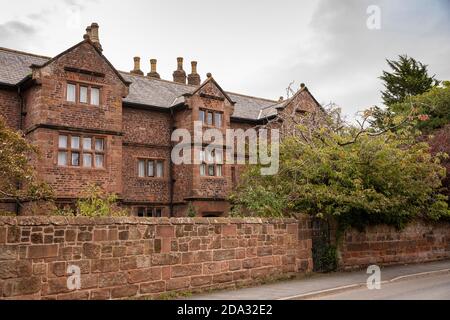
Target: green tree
(356, 175)
(432, 108)
(409, 77)
(18, 177)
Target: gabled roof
(77, 45)
(15, 66)
(154, 92)
(214, 82)
(165, 94)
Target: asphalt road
(424, 288)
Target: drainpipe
(171, 174)
(19, 93)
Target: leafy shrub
(191, 213)
(95, 203)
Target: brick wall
(10, 108)
(384, 245)
(130, 257)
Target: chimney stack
(194, 77)
(179, 75)
(92, 33)
(137, 67)
(153, 73)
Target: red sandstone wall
(10, 108)
(68, 182)
(136, 189)
(384, 245)
(130, 257)
(146, 127)
(47, 102)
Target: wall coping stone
(63, 221)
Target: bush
(388, 178)
(191, 213)
(95, 203)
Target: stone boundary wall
(384, 245)
(137, 257)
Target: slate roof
(15, 66)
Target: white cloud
(253, 47)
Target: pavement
(320, 285)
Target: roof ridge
(142, 76)
(249, 96)
(156, 79)
(24, 53)
(193, 86)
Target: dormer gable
(84, 58)
(211, 89)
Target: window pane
(160, 169)
(95, 96)
(210, 119)
(62, 158)
(219, 170)
(151, 168)
(210, 156)
(87, 143)
(211, 170)
(141, 168)
(141, 212)
(87, 160)
(62, 142)
(201, 116)
(219, 156)
(218, 120)
(83, 94)
(203, 170)
(99, 160)
(202, 156)
(99, 144)
(75, 142)
(71, 92)
(75, 159)
(158, 213)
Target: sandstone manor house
(96, 125)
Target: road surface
(422, 288)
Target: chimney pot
(94, 33)
(153, 73)
(88, 34)
(137, 66)
(194, 67)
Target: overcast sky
(251, 47)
